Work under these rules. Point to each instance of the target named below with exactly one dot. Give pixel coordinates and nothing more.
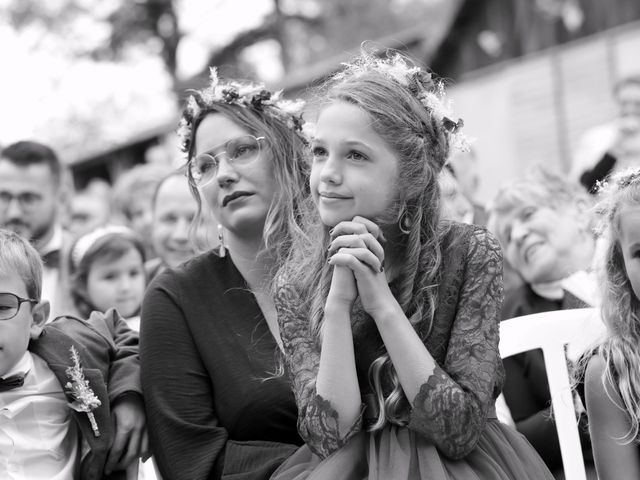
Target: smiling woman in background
(210, 336)
(543, 223)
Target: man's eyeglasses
(238, 151)
(26, 200)
(10, 304)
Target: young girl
(612, 381)
(107, 271)
(388, 315)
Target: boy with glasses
(70, 395)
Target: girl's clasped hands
(357, 255)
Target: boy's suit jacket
(108, 352)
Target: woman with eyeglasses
(210, 339)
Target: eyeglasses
(238, 151)
(26, 200)
(10, 305)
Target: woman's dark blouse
(453, 404)
(206, 351)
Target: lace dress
(452, 431)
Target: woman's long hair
(421, 143)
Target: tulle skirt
(398, 453)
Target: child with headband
(107, 271)
(388, 313)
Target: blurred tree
(343, 26)
(304, 30)
(108, 30)
(93, 69)
(150, 22)
(311, 30)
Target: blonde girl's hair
(404, 104)
(620, 306)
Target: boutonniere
(84, 398)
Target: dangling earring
(222, 251)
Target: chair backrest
(552, 331)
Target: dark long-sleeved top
(214, 407)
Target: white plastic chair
(551, 331)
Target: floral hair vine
(245, 95)
(429, 92)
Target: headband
(88, 240)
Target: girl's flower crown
(420, 83)
(245, 95)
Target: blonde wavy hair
(620, 306)
(401, 101)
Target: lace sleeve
(450, 409)
(317, 419)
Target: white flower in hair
(292, 107)
(398, 70)
(193, 106)
(183, 128)
(309, 130)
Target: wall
(533, 110)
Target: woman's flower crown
(420, 83)
(245, 95)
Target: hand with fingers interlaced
(356, 246)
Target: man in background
(31, 203)
(133, 200)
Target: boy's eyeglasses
(10, 305)
(238, 151)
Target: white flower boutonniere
(84, 398)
